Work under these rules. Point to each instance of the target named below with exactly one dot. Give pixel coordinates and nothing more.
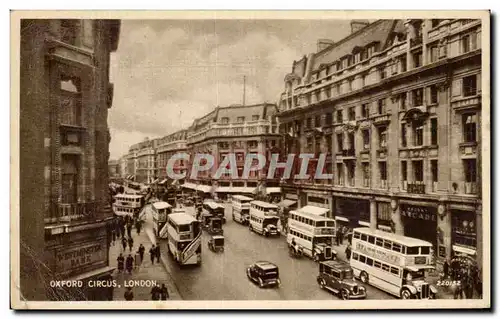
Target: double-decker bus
(241, 208)
(160, 213)
(393, 263)
(134, 186)
(184, 238)
(264, 218)
(128, 204)
(312, 231)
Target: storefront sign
(416, 212)
(80, 256)
(379, 254)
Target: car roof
(264, 204)
(337, 264)
(265, 265)
(161, 205)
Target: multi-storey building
(123, 163)
(396, 105)
(145, 160)
(165, 148)
(65, 94)
(234, 129)
(114, 168)
(132, 162)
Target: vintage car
(264, 273)
(215, 226)
(337, 276)
(216, 243)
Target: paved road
(222, 275)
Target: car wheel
(405, 294)
(316, 257)
(344, 294)
(261, 283)
(266, 234)
(322, 283)
(364, 277)
(250, 227)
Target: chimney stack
(324, 43)
(357, 25)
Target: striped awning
(189, 185)
(204, 188)
(235, 190)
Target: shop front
(352, 212)
(464, 236)
(420, 222)
(384, 217)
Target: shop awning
(155, 181)
(342, 219)
(189, 185)
(175, 182)
(464, 250)
(226, 189)
(204, 188)
(287, 203)
(314, 210)
(362, 223)
(273, 190)
(163, 181)
(382, 227)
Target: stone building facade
(65, 94)
(396, 105)
(166, 147)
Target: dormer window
(241, 119)
(225, 120)
(255, 117)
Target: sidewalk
(146, 271)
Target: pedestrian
(348, 252)
(446, 266)
(141, 252)
(164, 292)
(152, 254)
(130, 243)
(124, 243)
(129, 295)
(158, 254)
(138, 226)
(129, 263)
(137, 260)
(113, 236)
(155, 293)
(341, 236)
(129, 230)
(120, 261)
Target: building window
(435, 23)
(340, 142)
(382, 167)
(366, 174)
(383, 73)
(340, 174)
(417, 59)
(309, 142)
(225, 120)
(418, 171)
(365, 110)
(418, 97)
(403, 135)
(70, 99)
(403, 64)
(469, 123)
(404, 173)
(317, 121)
(69, 179)
(402, 101)
(468, 42)
(433, 53)
(309, 122)
(329, 144)
(382, 137)
(366, 139)
(350, 138)
(434, 174)
(255, 117)
(418, 133)
(352, 113)
(69, 31)
(328, 118)
(351, 168)
(317, 145)
(381, 106)
(241, 119)
(434, 131)
(470, 172)
(339, 116)
(469, 84)
(434, 94)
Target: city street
(222, 275)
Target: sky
(166, 73)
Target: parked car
(264, 273)
(337, 276)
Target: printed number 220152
(448, 283)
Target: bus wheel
(363, 277)
(405, 294)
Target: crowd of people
(464, 273)
(122, 232)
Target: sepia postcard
(250, 160)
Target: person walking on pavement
(152, 253)
(129, 294)
(124, 243)
(164, 292)
(129, 263)
(137, 260)
(155, 293)
(348, 252)
(158, 253)
(141, 252)
(446, 266)
(138, 226)
(130, 243)
(121, 261)
(113, 235)
(129, 229)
